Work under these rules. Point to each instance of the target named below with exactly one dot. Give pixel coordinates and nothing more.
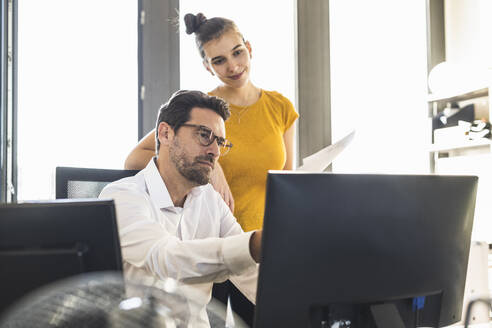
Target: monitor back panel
(349, 238)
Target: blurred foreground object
(101, 300)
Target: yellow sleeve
(289, 114)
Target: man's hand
(219, 182)
(255, 245)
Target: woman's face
(229, 57)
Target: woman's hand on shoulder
(219, 182)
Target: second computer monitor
(42, 242)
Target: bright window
(77, 88)
(379, 85)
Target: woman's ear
(248, 46)
(207, 67)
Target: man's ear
(207, 67)
(166, 133)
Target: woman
(260, 127)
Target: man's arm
(147, 244)
(247, 281)
(230, 227)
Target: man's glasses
(206, 137)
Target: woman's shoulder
(281, 107)
(275, 96)
(277, 100)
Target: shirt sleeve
(147, 244)
(247, 281)
(289, 114)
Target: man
(172, 223)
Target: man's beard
(193, 171)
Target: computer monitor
(41, 242)
(364, 249)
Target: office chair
(76, 182)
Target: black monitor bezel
(55, 239)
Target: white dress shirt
(197, 245)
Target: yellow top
(256, 133)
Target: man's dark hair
(177, 110)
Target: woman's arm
(142, 153)
(219, 182)
(289, 147)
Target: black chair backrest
(77, 182)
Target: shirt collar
(155, 185)
(157, 188)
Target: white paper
(320, 160)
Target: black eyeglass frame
(224, 144)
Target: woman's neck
(245, 96)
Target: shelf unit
(455, 156)
(456, 97)
(437, 102)
(463, 145)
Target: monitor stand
(384, 315)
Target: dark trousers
(239, 303)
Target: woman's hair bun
(193, 22)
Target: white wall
(468, 31)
